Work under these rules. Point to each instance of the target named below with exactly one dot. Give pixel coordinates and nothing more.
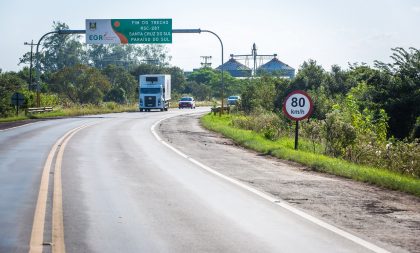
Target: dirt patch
(389, 219)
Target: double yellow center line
(37, 236)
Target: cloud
(416, 9)
(380, 37)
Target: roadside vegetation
(77, 79)
(365, 125)
(283, 148)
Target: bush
(339, 134)
(314, 130)
(260, 121)
(399, 156)
(116, 95)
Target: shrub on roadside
(260, 121)
(399, 156)
(339, 134)
(314, 130)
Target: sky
(328, 31)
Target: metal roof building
(235, 68)
(275, 66)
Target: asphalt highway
(108, 183)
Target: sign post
(17, 100)
(297, 106)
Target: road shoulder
(388, 217)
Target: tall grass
(284, 148)
(76, 110)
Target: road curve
(123, 191)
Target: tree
(97, 54)
(121, 79)
(199, 90)
(336, 82)
(10, 82)
(116, 95)
(58, 51)
(157, 53)
(145, 69)
(81, 84)
(400, 96)
(259, 94)
(212, 79)
(127, 56)
(178, 81)
(206, 76)
(310, 76)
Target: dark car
(186, 102)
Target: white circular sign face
(298, 105)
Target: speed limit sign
(298, 105)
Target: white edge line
(277, 201)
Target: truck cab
(154, 92)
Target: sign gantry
(128, 31)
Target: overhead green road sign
(128, 31)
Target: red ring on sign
(311, 105)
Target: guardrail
(39, 109)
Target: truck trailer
(154, 92)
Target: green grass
(14, 118)
(284, 149)
(77, 110)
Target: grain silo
(277, 67)
(235, 68)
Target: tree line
(388, 92)
(367, 115)
(75, 73)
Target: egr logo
(96, 37)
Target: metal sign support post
(37, 62)
(296, 135)
(221, 44)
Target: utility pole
(30, 64)
(38, 63)
(254, 55)
(206, 63)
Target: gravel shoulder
(387, 218)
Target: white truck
(154, 92)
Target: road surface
(108, 183)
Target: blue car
(233, 100)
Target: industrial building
(272, 67)
(235, 68)
(276, 67)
